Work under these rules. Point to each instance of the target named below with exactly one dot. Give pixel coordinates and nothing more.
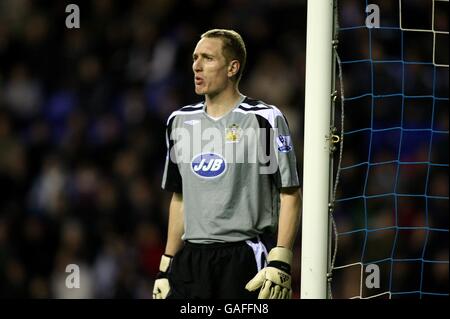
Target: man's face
(210, 67)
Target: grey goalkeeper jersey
(229, 170)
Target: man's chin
(200, 92)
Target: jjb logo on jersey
(284, 143)
(208, 165)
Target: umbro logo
(192, 122)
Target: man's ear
(233, 68)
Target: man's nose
(196, 66)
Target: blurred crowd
(82, 144)
(82, 129)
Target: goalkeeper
(232, 224)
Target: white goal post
(316, 160)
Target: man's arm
(289, 218)
(174, 243)
(176, 225)
(274, 281)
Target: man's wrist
(280, 265)
(166, 261)
(280, 254)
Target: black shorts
(216, 271)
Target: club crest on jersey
(208, 165)
(233, 133)
(284, 143)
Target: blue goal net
(391, 205)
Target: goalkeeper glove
(275, 279)
(162, 287)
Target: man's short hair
(233, 47)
